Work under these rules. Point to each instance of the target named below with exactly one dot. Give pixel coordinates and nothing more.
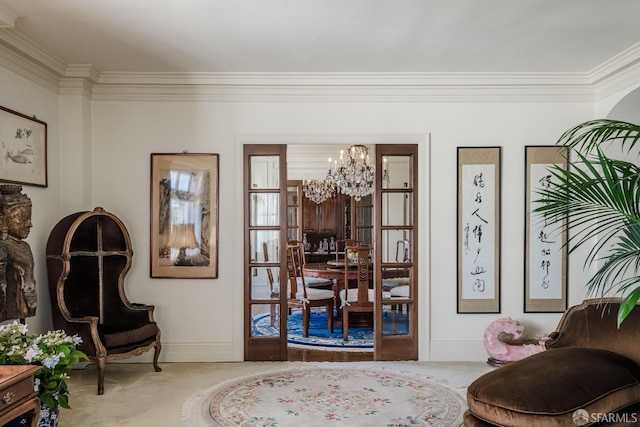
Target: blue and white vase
(48, 417)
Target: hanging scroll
(479, 229)
(545, 244)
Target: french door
(396, 252)
(269, 207)
(265, 207)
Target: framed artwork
(24, 149)
(479, 193)
(184, 215)
(545, 259)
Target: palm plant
(597, 198)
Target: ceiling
(345, 36)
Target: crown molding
(29, 60)
(8, 16)
(32, 52)
(618, 73)
(354, 88)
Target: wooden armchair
(88, 256)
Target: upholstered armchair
(88, 257)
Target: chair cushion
(315, 294)
(315, 282)
(353, 295)
(401, 291)
(548, 387)
(118, 335)
(393, 282)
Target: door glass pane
(364, 235)
(265, 172)
(395, 319)
(397, 170)
(396, 283)
(265, 209)
(258, 238)
(263, 285)
(292, 216)
(265, 320)
(396, 246)
(364, 215)
(292, 195)
(396, 208)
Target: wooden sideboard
(17, 394)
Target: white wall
(104, 160)
(195, 315)
(23, 96)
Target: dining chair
(303, 297)
(311, 282)
(342, 244)
(361, 298)
(274, 285)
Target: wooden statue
(17, 283)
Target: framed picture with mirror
(184, 215)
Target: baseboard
(440, 351)
(189, 352)
(457, 351)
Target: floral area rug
(360, 339)
(326, 396)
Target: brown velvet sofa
(589, 368)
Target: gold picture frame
(478, 229)
(184, 215)
(545, 245)
(23, 149)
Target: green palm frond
(598, 200)
(589, 135)
(621, 267)
(596, 197)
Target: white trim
(31, 61)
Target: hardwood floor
(298, 354)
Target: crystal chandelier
(353, 176)
(318, 190)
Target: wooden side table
(17, 394)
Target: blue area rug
(359, 338)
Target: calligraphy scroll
(479, 229)
(545, 243)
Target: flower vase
(48, 417)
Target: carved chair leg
(101, 363)
(156, 355)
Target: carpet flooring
(328, 396)
(136, 396)
(360, 338)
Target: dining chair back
(342, 244)
(359, 299)
(302, 297)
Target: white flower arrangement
(55, 351)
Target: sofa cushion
(116, 335)
(548, 387)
